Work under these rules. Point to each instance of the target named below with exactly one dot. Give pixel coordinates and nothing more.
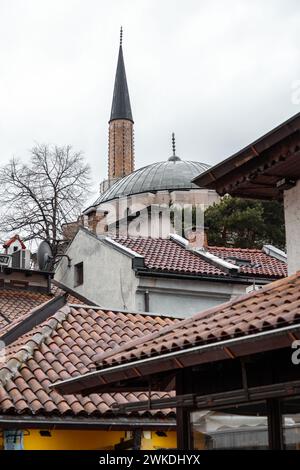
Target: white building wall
(183, 297)
(14, 246)
(117, 209)
(111, 282)
(108, 278)
(292, 227)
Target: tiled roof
(17, 304)
(261, 264)
(71, 297)
(275, 305)
(64, 346)
(14, 303)
(168, 256)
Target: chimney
(197, 237)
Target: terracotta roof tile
(162, 254)
(67, 350)
(276, 304)
(14, 303)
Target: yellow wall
(152, 441)
(71, 440)
(63, 439)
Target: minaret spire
(121, 108)
(121, 154)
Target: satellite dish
(44, 256)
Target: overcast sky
(217, 73)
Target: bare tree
(37, 198)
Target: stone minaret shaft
(121, 147)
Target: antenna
(44, 256)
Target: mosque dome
(173, 174)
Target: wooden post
(275, 424)
(184, 441)
(183, 429)
(137, 439)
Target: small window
(240, 262)
(78, 274)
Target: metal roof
(168, 175)
(121, 108)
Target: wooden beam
(267, 160)
(217, 400)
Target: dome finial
(121, 36)
(173, 144)
(174, 157)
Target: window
(78, 274)
(241, 427)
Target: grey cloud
(217, 73)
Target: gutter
(226, 278)
(115, 423)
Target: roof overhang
(136, 374)
(263, 169)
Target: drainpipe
(147, 301)
(49, 284)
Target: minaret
(120, 151)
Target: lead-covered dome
(173, 174)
